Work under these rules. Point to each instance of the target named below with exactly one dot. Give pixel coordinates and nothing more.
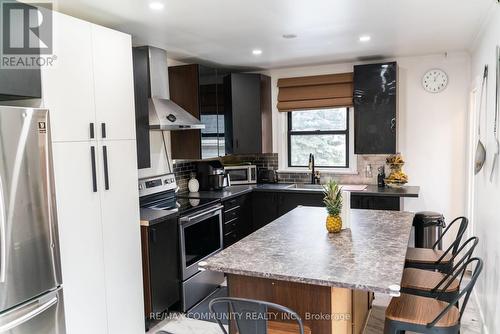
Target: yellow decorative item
(333, 202)
(397, 178)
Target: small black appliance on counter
(210, 174)
(265, 175)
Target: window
(212, 137)
(322, 132)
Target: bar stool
(429, 315)
(434, 259)
(251, 316)
(432, 284)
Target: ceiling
(226, 31)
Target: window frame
(345, 132)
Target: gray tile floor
(471, 323)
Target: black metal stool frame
(439, 291)
(397, 327)
(439, 265)
(244, 325)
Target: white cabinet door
(121, 234)
(114, 82)
(80, 234)
(68, 85)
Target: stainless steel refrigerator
(31, 297)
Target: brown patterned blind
(315, 92)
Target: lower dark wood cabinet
(265, 208)
(160, 257)
(289, 201)
(237, 219)
(392, 203)
(268, 206)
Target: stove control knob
(167, 181)
(140, 186)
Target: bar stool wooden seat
(433, 258)
(435, 284)
(418, 279)
(430, 315)
(421, 311)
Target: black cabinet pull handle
(91, 130)
(105, 162)
(393, 124)
(92, 160)
(103, 130)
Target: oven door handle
(188, 219)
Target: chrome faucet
(314, 174)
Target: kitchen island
(327, 278)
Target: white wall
(159, 164)
(431, 127)
(486, 217)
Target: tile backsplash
(360, 178)
(183, 169)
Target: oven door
(200, 237)
(239, 175)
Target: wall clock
(435, 80)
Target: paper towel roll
(345, 214)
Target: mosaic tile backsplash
(184, 168)
(361, 177)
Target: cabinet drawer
(232, 214)
(234, 202)
(231, 225)
(230, 238)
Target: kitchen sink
(345, 187)
(305, 186)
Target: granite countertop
(296, 247)
(151, 217)
(224, 194)
(237, 190)
(373, 190)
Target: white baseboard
(481, 314)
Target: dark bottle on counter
(381, 177)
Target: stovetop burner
(188, 205)
(160, 193)
(169, 201)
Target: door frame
(472, 123)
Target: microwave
(246, 174)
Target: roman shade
(315, 92)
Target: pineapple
(333, 202)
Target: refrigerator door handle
(3, 241)
(28, 315)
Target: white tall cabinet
(91, 87)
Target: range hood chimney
(165, 114)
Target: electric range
(200, 234)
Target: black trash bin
(428, 227)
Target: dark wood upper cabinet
(184, 90)
(375, 108)
(247, 113)
(141, 84)
(235, 108)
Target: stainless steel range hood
(165, 114)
